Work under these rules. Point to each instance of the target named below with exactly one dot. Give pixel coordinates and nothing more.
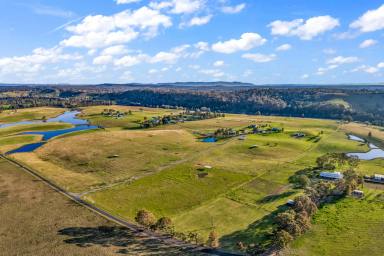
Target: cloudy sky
(258, 41)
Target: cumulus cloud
(233, 9)
(368, 43)
(259, 58)
(339, 60)
(304, 29)
(102, 60)
(370, 21)
(284, 47)
(219, 63)
(179, 6)
(102, 31)
(35, 61)
(127, 1)
(246, 42)
(197, 21)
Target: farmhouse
(378, 177)
(298, 135)
(358, 193)
(331, 175)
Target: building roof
(378, 177)
(331, 175)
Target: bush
(145, 218)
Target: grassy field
(164, 169)
(10, 116)
(348, 227)
(93, 114)
(35, 220)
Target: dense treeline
(356, 105)
(365, 105)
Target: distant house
(378, 177)
(298, 135)
(242, 137)
(331, 175)
(358, 193)
(290, 202)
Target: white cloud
(305, 30)
(321, 71)
(366, 69)
(127, 1)
(380, 65)
(368, 43)
(342, 60)
(246, 42)
(35, 61)
(102, 60)
(179, 6)
(305, 76)
(216, 73)
(129, 61)
(370, 21)
(284, 47)
(168, 57)
(197, 21)
(114, 50)
(259, 58)
(219, 63)
(203, 46)
(102, 31)
(233, 9)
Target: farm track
(190, 248)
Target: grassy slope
(93, 114)
(35, 220)
(238, 197)
(9, 116)
(348, 227)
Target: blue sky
(122, 41)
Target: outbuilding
(331, 175)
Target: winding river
(374, 153)
(68, 117)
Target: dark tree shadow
(272, 198)
(259, 232)
(127, 242)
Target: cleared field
(33, 128)
(348, 227)
(113, 156)
(10, 116)
(12, 142)
(35, 220)
(234, 186)
(93, 114)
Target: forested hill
(347, 104)
(363, 103)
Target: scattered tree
(145, 218)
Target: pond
(209, 140)
(374, 153)
(67, 117)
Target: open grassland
(36, 221)
(105, 157)
(348, 227)
(33, 128)
(131, 121)
(12, 142)
(234, 186)
(11, 116)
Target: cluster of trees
(181, 117)
(296, 220)
(165, 225)
(115, 113)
